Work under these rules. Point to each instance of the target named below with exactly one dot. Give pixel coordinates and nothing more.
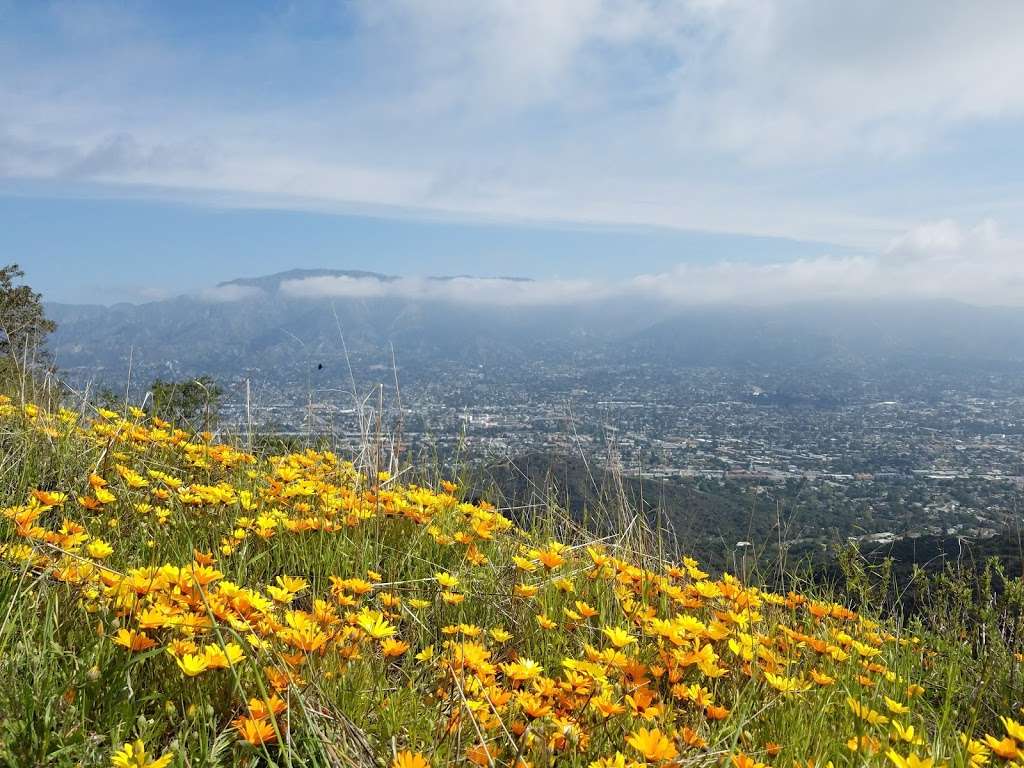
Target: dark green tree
(191, 402)
(23, 323)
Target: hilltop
(175, 599)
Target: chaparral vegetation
(170, 598)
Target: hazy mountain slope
(272, 330)
(836, 332)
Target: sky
(707, 150)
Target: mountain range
(264, 323)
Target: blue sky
(84, 250)
(148, 149)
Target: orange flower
(550, 558)
(261, 709)
(821, 678)
(533, 706)
(742, 760)
(1006, 748)
(391, 647)
(691, 738)
(480, 755)
(133, 641)
(652, 744)
(253, 731)
(50, 498)
(716, 713)
(607, 707)
(407, 759)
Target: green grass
(71, 696)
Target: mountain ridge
(284, 332)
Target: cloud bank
(492, 291)
(230, 292)
(937, 260)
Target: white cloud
(463, 290)
(799, 82)
(946, 240)
(937, 260)
(230, 292)
(780, 117)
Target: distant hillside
(258, 324)
(838, 333)
(700, 522)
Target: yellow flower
(375, 625)
(910, 761)
(743, 760)
(618, 760)
(978, 752)
(133, 641)
(407, 759)
(280, 595)
(446, 580)
(619, 637)
(652, 744)
(261, 709)
(865, 712)
(500, 635)
(50, 498)
(221, 658)
(564, 585)
(134, 756)
(864, 744)
(545, 622)
(522, 670)
(524, 564)
(785, 684)
(549, 558)
(1013, 729)
(895, 707)
(99, 549)
(193, 664)
(905, 733)
(103, 495)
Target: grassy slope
(380, 616)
